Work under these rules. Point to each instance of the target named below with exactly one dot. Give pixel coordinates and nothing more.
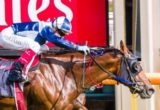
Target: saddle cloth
(12, 89)
(6, 87)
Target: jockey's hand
(84, 48)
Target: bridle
(132, 67)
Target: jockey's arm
(60, 41)
(47, 34)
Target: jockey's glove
(84, 48)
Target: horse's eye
(137, 67)
(134, 64)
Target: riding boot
(17, 69)
(16, 72)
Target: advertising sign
(88, 17)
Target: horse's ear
(123, 46)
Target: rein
(111, 75)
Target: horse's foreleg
(79, 107)
(79, 102)
(66, 106)
(69, 107)
(83, 108)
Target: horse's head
(131, 71)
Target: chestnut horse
(60, 80)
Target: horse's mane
(59, 51)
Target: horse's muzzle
(147, 92)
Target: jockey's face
(64, 32)
(60, 33)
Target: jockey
(31, 37)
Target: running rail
(153, 77)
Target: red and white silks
(18, 87)
(19, 97)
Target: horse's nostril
(150, 91)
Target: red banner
(88, 16)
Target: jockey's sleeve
(48, 34)
(26, 26)
(64, 43)
(40, 39)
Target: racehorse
(61, 78)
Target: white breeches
(9, 40)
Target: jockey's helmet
(62, 24)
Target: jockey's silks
(26, 57)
